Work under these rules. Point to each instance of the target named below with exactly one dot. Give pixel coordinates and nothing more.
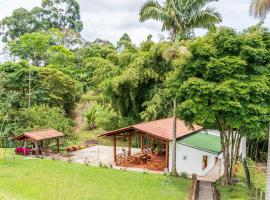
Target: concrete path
(214, 174)
(205, 191)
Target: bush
(184, 175)
(91, 116)
(43, 117)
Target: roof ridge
(39, 130)
(155, 120)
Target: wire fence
(256, 192)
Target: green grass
(258, 175)
(239, 191)
(49, 179)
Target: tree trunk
(268, 168)
(230, 143)
(244, 147)
(29, 87)
(174, 171)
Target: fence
(257, 193)
(194, 188)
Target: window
(205, 162)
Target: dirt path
(205, 191)
(78, 116)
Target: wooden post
(114, 148)
(37, 150)
(58, 145)
(129, 144)
(167, 154)
(142, 142)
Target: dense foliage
(224, 83)
(61, 14)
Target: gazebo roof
(162, 129)
(40, 135)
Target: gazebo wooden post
(142, 142)
(167, 154)
(129, 144)
(36, 147)
(114, 148)
(58, 145)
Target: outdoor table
(140, 157)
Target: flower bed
(23, 150)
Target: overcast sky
(109, 19)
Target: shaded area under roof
(162, 128)
(40, 135)
(203, 141)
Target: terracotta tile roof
(160, 128)
(164, 128)
(40, 135)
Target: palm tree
(260, 8)
(180, 17)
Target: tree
(62, 14)
(174, 172)
(31, 47)
(180, 17)
(260, 8)
(60, 56)
(20, 22)
(48, 86)
(224, 83)
(125, 42)
(42, 117)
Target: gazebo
(39, 136)
(154, 132)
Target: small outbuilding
(39, 137)
(197, 150)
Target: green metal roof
(203, 141)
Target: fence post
(247, 173)
(261, 195)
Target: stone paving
(205, 191)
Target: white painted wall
(194, 160)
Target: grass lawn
(239, 191)
(49, 179)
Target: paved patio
(95, 154)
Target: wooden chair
(123, 159)
(148, 149)
(157, 165)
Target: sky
(109, 19)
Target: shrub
(184, 175)
(91, 116)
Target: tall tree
(180, 17)
(31, 47)
(174, 172)
(20, 22)
(62, 14)
(260, 8)
(224, 83)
